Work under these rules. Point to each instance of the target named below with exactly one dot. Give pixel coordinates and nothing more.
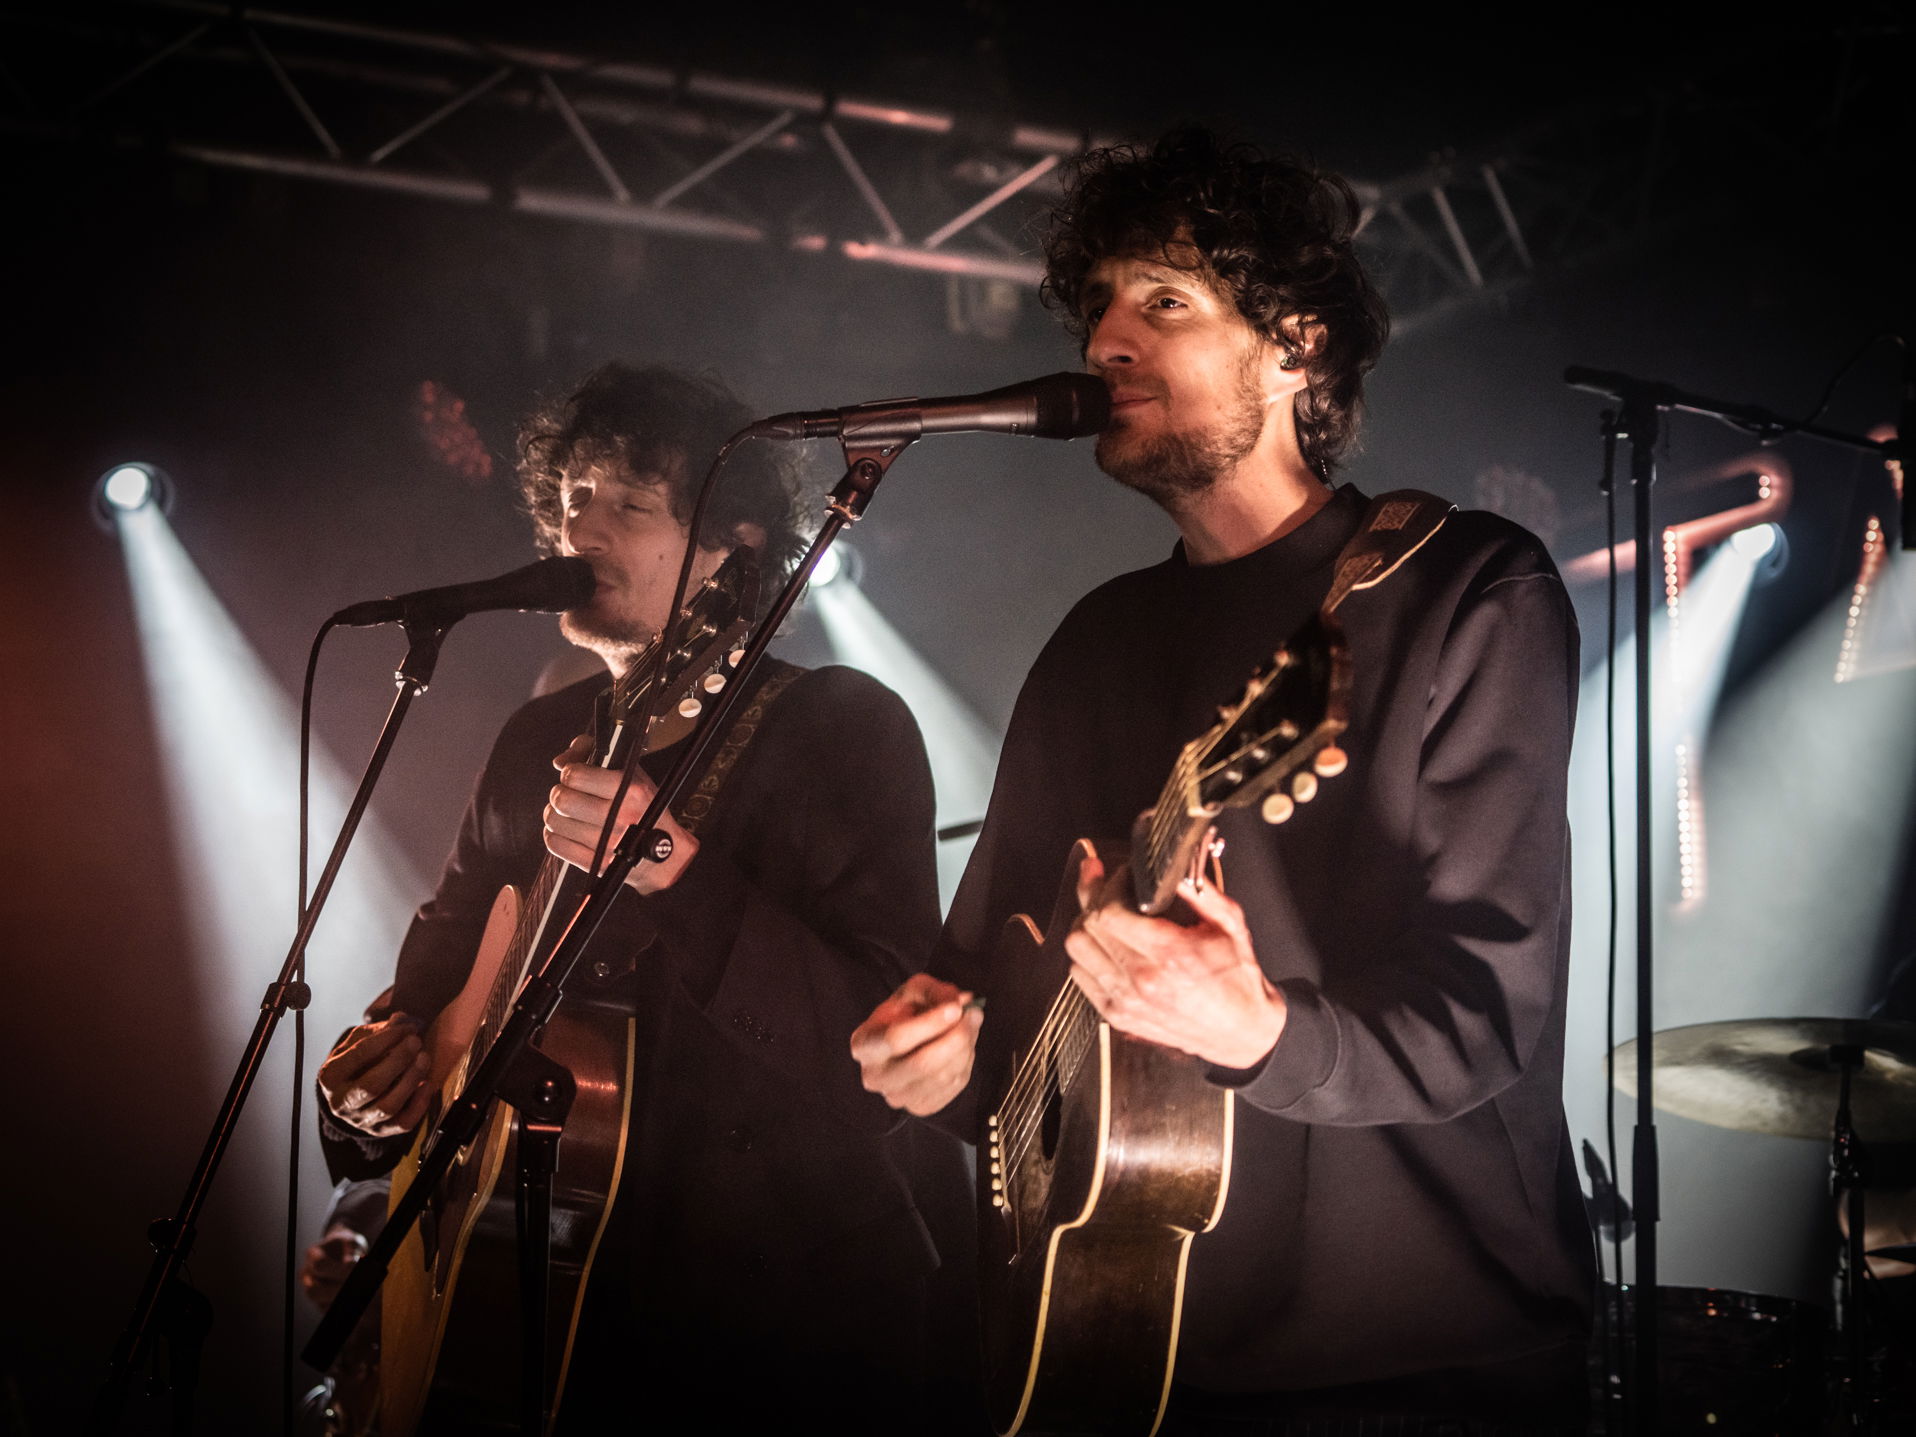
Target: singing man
(1381, 981)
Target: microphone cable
(289, 1394)
(699, 505)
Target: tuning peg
(712, 683)
(1330, 761)
(1304, 786)
(690, 708)
(1277, 807)
(733, 657)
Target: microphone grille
(1071, 405)
(559, 583)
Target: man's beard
(1175, 467)
(604, 635)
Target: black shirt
(1402, 1199)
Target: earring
(1290, 359)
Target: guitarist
(1403, 1246)
(765, 1264)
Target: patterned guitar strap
(697, 804)
(1395, 526)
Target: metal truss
(538, 132)
(721, 159)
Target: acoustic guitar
(450, 1345)
(1107, 1154)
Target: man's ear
(1304, 333)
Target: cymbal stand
(1849, 1173)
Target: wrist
(1259, 1037)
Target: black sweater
(1402, 1198)
(767, 1202)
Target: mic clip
(867, 458)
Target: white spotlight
(1764, 547)
(1754, 542)
(128, 487)
(839, 564)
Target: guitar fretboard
(627, 692)
(1070, 1028)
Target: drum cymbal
(1773, 1075)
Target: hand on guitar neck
(1197, 987)
(576, 809)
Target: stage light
(1756, 541)
(840, 564)
(129, 488)
(1765, 548)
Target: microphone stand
(504, 1071)
(1641, 405)
(167, 1308)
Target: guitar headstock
(675, 677)
(1269, 748)
(1290, 714)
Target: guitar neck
(1169, 841)
(615, 743)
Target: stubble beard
(1175, 467)
(615, 642)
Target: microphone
(549, 587)
(1059, 406)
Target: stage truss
(703, 157)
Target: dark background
(262, 339)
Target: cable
(706, 486)
(1610, 985)
(1769, 433)
(289, 1399)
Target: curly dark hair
(649, 417)
(1274, 231)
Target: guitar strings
(1073, 1048)
(1020, 1098)
(1063, 1041)
(626, 688)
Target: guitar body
(453, 1340)
(1106, 1154)
(451, 1351)
(1123, 1155)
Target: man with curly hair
(1403, 1246)
(765, 1261)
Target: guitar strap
(693, 809)
(1395, 526)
